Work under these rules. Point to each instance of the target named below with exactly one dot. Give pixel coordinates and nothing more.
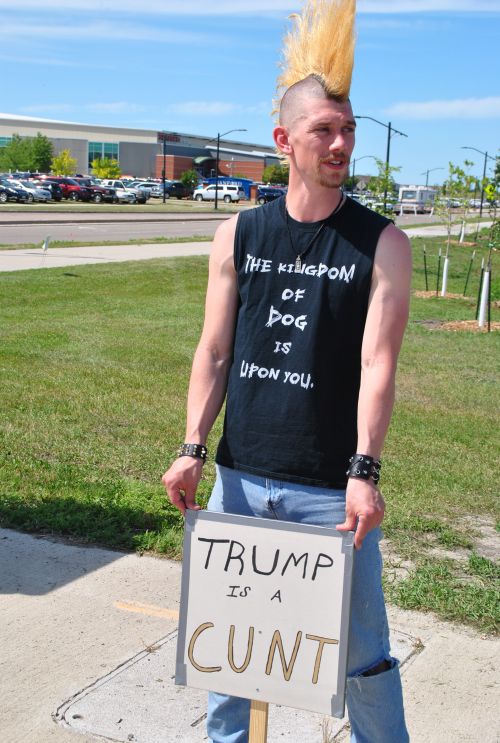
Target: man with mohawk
(306, 307)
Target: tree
(491, 196)
(276, 174)
(64, 163)
(16, 154)
(496, 177)
(105, 167)
(350, 183)
(27, 153)
(190, 178)
(42, 152)
(383, 183)
(456, 189)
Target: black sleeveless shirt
(291, 406)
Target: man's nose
(337, 142)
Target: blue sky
(207, 66)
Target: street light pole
(426, 173)
(355, 160)
(217, 173)
(390, 131)
(164, 172)
(217, 163)
(387, 158)
(486, 156)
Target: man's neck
(312, 205)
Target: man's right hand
(181, 482)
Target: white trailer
(416, 199)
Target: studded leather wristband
(364, 467)
(198, 451)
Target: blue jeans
(375, 702)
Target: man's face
(322, 142)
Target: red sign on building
(168, 137)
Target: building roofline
(26, 120)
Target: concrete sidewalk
(88, 646)
(23, 260)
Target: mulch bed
(469, 326)
(432, 295)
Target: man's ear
(280, 135)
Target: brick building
(140, 151)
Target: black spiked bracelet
(364, 467)
(198, 451)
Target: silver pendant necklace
(298, 258)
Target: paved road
(96, 231)
(33, 227)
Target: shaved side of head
(294, 102)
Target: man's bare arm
(207, 386)
(383, 335)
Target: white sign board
(265, 610)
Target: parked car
(11, 193)
(173, 189)
(99, 192)
(147, 186)
(124, 192)
(355, 197)
(71, 189)
(378, 206)
(225, 192)
(269, 193)
(34, 191)
(54, 188)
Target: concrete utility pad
(139, 702)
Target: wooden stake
(259, 712)
(425, 271)
(468, 272)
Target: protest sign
(265, 610)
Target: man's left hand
(364, 507)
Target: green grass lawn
(94, 366)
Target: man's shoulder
(364, 212)
(361, 226)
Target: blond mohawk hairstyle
(320, 44)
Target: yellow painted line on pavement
(148, 609)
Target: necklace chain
(298, 256)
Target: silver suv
(125, 193)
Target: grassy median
(94, 366)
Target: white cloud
(117, 107)
(245, 7)
(41, 61)
(100, 30)
(217, 108)
(462, 108)
(428, 6)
